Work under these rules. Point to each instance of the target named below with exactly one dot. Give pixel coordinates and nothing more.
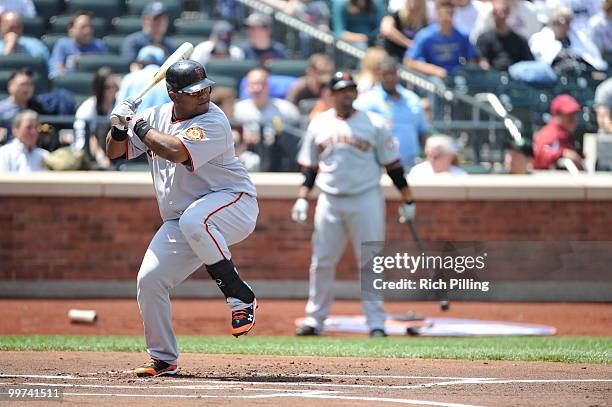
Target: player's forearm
(303, 192)
(166, 146)
(115, 148)
(395, 171)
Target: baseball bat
(182, 52)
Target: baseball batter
(206, 200)
(344, 150)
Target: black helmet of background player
(186, 76)
(341, 80)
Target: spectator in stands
(260, 46)
(465, 14)
(80, 41)
(439, 48)
(22, 7)
(603, 106)
(399, 28)
(13, 42)
(218, 45)
(357, 21)
(441, 158)
(89, 133)
(155, 21)
(21, 154)
(518, 157)
(522, 19)
(20, 87)
(147, 63)
(366, 77)
(582, 11)
(323, 103)
(600, 28)
(315, 12)
(502, 47)
(567, 51)
(264, 118)
(401, 109)
(319, 71)
(555, 140)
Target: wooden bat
(182, 52)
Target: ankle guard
(225, 275)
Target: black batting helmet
(186, 76)
(341, 80)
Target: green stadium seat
(228, 67)
(177, 40)
(114, 42)
(126, 24)
(202, 28)
(134, 7)
(59, 25)
(91, 63)
(222, 81)
(41, 83)
(48, 8)
(477, 80)
(34, 26)
(80, 82)
(18, 61)
(295, 67)
(106, 9)
(50, 39)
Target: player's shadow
(259, 378)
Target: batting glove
(299, 212)
(123, 111)
(407, 211)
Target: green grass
(553, 349)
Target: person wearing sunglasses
(206, 200)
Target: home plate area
(309, 381)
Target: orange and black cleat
(156, 368)
(243, 320)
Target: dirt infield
(220, 380)
(275, 317)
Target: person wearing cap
(218, 45)
(147, 63)
(260, 46)
(80, 41)
(206, 200)
(555, 140)
(603, 106)
(344, 150)
(155, 22)
(518, 157)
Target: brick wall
(49, 238)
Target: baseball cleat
(243, 320)
(306, 330)
(378, 333)
(156, 368)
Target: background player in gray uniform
(346, 148)
(206, 200)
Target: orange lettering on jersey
(194, 134)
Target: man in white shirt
(523, 19)
(21, 154)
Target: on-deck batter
(206, 200)
(347, 149)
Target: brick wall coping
(539, 186)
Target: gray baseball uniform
(207, 205)
(349, 154)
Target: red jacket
(549, 143)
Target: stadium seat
(228, 67)
(135, 7)
(477, 80)
(177, 40)
(126, 24)
(34, 26)
(41, 84)
(222, 81)
(59, 25)
(79, 98)
(50, 39)
(79, 82)
(106, 9)
(114, 42)
(289, 67)
(91, 63)
(18, 61)
(202, 28)
(48, 8)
